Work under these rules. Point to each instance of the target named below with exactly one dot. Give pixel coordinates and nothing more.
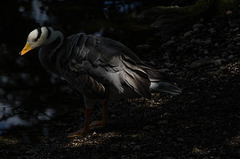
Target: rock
(196, 29)
(218, 62)
(205, 52)
(137, 147)
(237, 38)
(199, 63)
(198, 25)
(166, 56)
(180, 49)
(235, 29)
(168, 43)
(229, 12)
(208, 41)
(188, 34)
(230, 57)
(211, 30)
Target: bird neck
(48, 54)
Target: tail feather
(159, 81)
(165, 87)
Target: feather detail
(136, 78)
(104, 63)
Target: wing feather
(104, 62)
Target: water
(14, 114)
(10, 117)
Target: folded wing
(95, 64)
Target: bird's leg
(102, 123)
(85, 129)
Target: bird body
(99, 68)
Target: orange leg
(102, 123)
(85, 129)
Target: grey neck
(48, 55)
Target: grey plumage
(100, 67)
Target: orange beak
(26, 48)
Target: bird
(100, 68)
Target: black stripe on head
(39, 34)
(49, 33)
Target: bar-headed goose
(101, 69)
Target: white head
(41, 37)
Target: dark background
(195, 41)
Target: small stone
(137, 148)
(196, 150)
(208, 41)
(237, 38)
(196, 29)
(229, 12)
(168, 43)
(73, 61)
(179, 49)
(198, 25)
(165, 56)
(211, 30)
(218, 62)
(235, 29)
(205, 52)
(188, 34)
(230, 57)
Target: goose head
(41, 37)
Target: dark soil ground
(201, 123)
